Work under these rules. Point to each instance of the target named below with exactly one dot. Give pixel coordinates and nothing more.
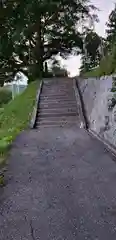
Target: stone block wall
(97, 96)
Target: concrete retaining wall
(97, 97)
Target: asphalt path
(60, 185)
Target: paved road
(61, 185)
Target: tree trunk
(39, 49)
(46, 69)
(1, 84)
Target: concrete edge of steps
(35, 108)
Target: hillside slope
(14, 117)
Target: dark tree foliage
(111, 28)
(31, 32)
(92, 54)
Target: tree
(111, 28)
(91, 55)
(33, 31)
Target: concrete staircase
(57, 106)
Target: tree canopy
(111, 28)
(91, 55)
(106, 64)
(31, 32)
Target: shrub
(5, 96)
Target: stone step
(57, 95)
(58, 79)
(60, 114)
(58, 118)
(53, 101)
(57, 100)
(68, 95)
(66, 86)
(59, 87)
(39, 127)
(58, 84)
(56, 91)
(57, 106)
(57, 103)
(53, 123)
(58, 110)
(53, 86)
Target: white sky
(105, 6)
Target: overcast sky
(105, 6)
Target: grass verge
(93, 73)
(107, 65)
(15, 116)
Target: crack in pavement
(31, 228)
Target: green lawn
(106, 67)
(15, 116)
(93, 73)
